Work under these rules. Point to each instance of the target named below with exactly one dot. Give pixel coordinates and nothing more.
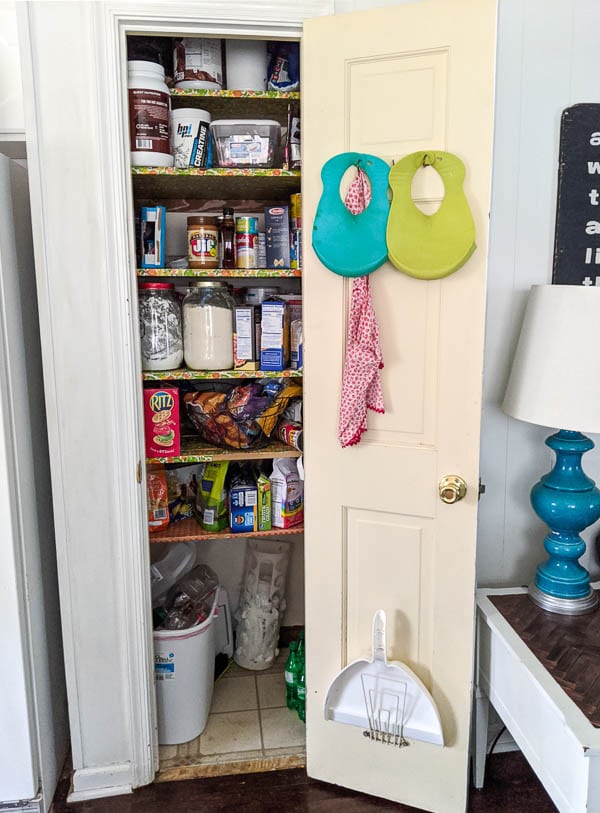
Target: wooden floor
(510, 787)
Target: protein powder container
(197, 63)
(189, 137)
(149, 107)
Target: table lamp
(555, 381)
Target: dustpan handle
(378, 636)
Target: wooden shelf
(199, 375)
(188, 530)
(194, 450)
(217, 183)
(277, 95)
(238, 273)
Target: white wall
(548, 59)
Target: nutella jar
(203, 242)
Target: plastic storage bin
(245, 142)
(184, 672)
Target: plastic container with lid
(203, 241)
(208, 326)
(160, 326)
(197, 63)
(149, 107)
(245, 142)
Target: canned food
(246, 242)
(296, 210)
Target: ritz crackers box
(161, 422)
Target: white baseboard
(96, 783)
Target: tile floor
(249, 729)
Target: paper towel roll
(246, 64)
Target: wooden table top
(567, 646)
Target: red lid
(157, 285)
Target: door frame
(103, 555)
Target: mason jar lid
(156, 285)
(201, 220)
(207, 283)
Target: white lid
(253, 122)
(143, 66)
(194, 113)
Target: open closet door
(389, 82)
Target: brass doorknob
(452, 488)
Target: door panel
(416, 76)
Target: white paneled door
(417, 76)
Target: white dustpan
(386, 699)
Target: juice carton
(161, 422)
(287, 494)
(242, 508)
(275, 335)
(263, 487)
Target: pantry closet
(377, 535)
(244, 169)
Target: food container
(197, 63)
(160, 326)
(203, 242)
(246, 62)
(190, 133)
(208, 326)
(246, 242)
(245, 142)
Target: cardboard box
(296, 355)
(277, 231)
(243, 501)
(275, 335)
(245, 356)
(153, 229)
(161, 422)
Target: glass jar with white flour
(208, 326)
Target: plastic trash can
(184, 670)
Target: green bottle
(301, 645)
(291, 670)
(301, 692)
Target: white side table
(558, 740)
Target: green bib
(429, 246)
(351, 245)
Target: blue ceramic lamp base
(568, 502)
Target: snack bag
(211, 501)
(156, 491)
(182, 486)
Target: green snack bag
(211, 501)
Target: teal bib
(352, 245)
(429, 246)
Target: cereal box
(242, 508)
(161, 421)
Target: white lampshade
(555, 376)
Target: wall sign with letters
(577, 235)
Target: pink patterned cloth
(361, 384)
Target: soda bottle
(291, 669)
(301, 692)
(301, 645)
